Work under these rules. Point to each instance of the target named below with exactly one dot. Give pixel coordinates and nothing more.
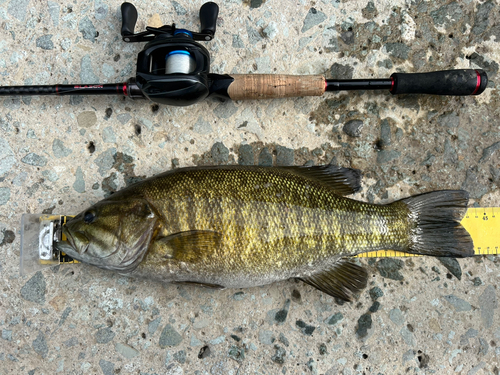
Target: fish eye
(89, 217)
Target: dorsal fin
(344, 181)
(341, 280)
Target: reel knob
(208, 19)
(129, 18)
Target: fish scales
(275, 224)
(239, 226)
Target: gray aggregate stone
(18, 8)
(481, 20)
(12, 103)
(54, 10)
(219, 153)
(364, 325)
(40, 345)
(104, 335)
(398, 50)
(126, 350)
(254, 36)
(7, 334)
(180, 356)
(353, 128)
(34, 289)
(265, 158)
(385, 132)
(339, 71)
(237, 42)
(246, 156)
(4, 195)
(7, 159)
(64, 315)
(279, 355)
(179, 9)
(408, 336)
(79, 184)
(50, 175)
(153, 325)
(458, 303)
(108, 135)
(271, 30)
(87, 75)
(472, 185)
(266, 337)
(100, 9)
(105, 161)
(476, 368)
(488, 303)
(334, 319)
(225, 110)
(86, 27)
(314, 17)
(449, 119)
(202, 126)
(488, 151)
(123, 118)
(45, 42)
(107, 368)
(376, 293)
(389, 268)
(396, 316)
(386, 156)
(452, 265)
(169, 337)
(59, 150)
(71, 342)
(447, 15)
(284, 156)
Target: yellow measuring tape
(483, 225)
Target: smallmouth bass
(243, 226)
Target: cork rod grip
(269, 86)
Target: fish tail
(436, 228)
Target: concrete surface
(61, 154)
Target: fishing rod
(174, 69)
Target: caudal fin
(437, 230)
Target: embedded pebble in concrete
(45, 42)
(169, 337)
(452, 265)
(62, 154)
(353, 128)
(104, 335)
(390, 268)
(313, 18)
(488, 303)
(34, 289)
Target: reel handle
(129, 18)
(458, 82)
(208, 18)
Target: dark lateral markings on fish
(244, 226)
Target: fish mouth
(71, 244)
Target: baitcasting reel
(172, 68)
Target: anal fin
(342, 280)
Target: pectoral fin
(191, 245)
(342, 280)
